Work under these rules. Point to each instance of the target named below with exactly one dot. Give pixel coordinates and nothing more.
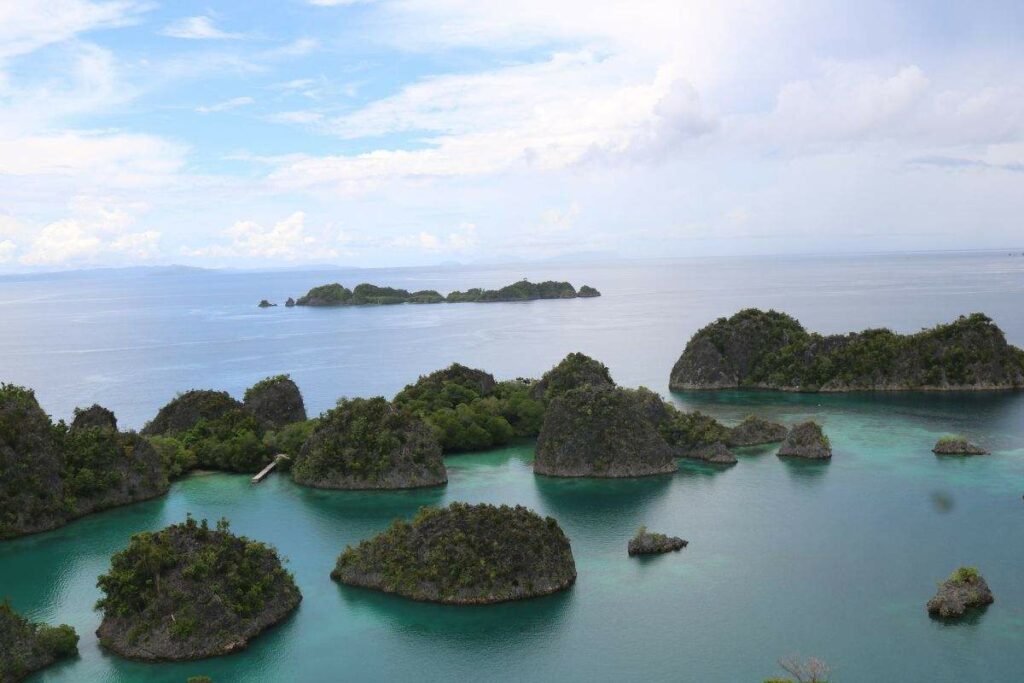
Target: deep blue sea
(834, 560)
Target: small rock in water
(649, 543)
(806, 440)
(964, 589)
(957, 445)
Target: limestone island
(573, 371)
(696, 436)
(806, 440)
(963, 590)
(190, 592)
(27, 647)
(205, 429)
(52, 474)
(756, 431)
(366, 294)
(770, 350)
(265, 304)
(370, 443)
(601, 431)
(957, 445)
(463, 555)
(649, 543)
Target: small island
(463, 555)
(957, 445)
(573, 371)
(756, 431)
(370, 443)
(963, 590)
(27, 647)
(265, 304)
(806, 440)
(695, 436)
(275, 401)
(771, 350)
(190, 592)
(52, 474)
(365, 294)
(601, 431)
(649, 543)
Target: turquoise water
(834, 560)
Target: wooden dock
(262, 474)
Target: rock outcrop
(573, 371)
(94, 416)
(187, 409)
(370, 444)
(601, 431)
(755, 431)
(716, 453)
(266, 304)
(963, 590)
(649, 543)
(957, 445)
(771, 350)
(275, 402)
(464, 555)
(806, 440)
(190, 592)
(27, 647)
(587, 292)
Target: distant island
(770, 350)
(365, 294)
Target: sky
(415, 132)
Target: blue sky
(395, 132)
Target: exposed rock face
(50, 475)
(187, 409)
(649, 543)
(716, 454)
(754, 431)
(290, 302)
(370, 444)
(575, 370)
(190, 592)
(961, 591)
(94, 416)
(771, 350)
(806, 440)
(601, 431)
(694, 434)
(957, 445)
(275, 402)
(26, 647)
(464, 555)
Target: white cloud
(286, 240)
(7, 249)
(139, 245)
(60, 242)
(27, 25)
(233, 103)
(198, 28)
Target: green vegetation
(366, 294)
(770, 349)
(573, 371)
(463, 554)
(367, 444)
(275, 402)
(26, 647)
(689, 431)
(964, 575)
(469, 411)
(189, 591)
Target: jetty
(262, 474)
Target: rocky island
(806, 440)
(190, 592)
(275, 402)
(771, 350)
(573, 371)
(601, 431)
(27, 647)
(366, 294)
(463, 555)
(52, 474)
(370, 443)
(756, 431)
(957, 445)
(963, 590)
(695, 436)
(649, 543)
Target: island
(469, 411)
(601, 431)
(957, 445)
(275, 402)
(756, 431)
(806, 440)
(53, 474)
(770, 350)
(573, 371)
(649, 543)
(27, 647)
(463, 555)
(265, 304)
(963, 590)
(366, 294)
(190, 592)
(370, 443)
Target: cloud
(27, 25)
(286, 240)
(461, 240)
(198, 28)
(7, 249)
(226, 105)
